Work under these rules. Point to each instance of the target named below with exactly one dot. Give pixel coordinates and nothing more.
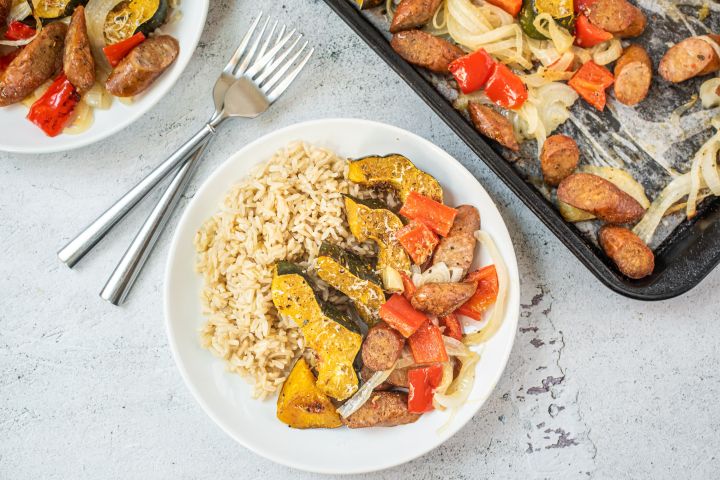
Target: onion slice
(459, 390)
(671, 194)
(96, 12)
(24, 41)
(447, 379)
(364, 393)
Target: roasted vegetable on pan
(54, 9)
(560, 10)
(329, 333)
(353, 276)
(301, 404)
(133, 16)
(371, 219)
(394, 171)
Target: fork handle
(123, 277)
(76, 249)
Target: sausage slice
(78, 62)
(632, 257)
(633, 75)
(458, 248)
(611, 15)
(637, 25)
(425, 50)
(5, 6)
(38, 62)
(139, 69)
(600, 197)
(559, 158)
(442, 298)
(413, 14)
(383, 409)
(493, 125)
(693, 57)
(382, 347)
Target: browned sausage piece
(458, 248)
(383, 409)
(600, 197)
(632, 257)
(611, 15)
(413, 14)
(558, 159)
(693, 57)
(39, 61)
(493, 125)
(78, 62)
(442, 298)
(398, 378)
(139, 69)
(382, 347)
(5, 6)
(633, 75)
(637, 25)
(425, 50)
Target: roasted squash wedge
(47, 10)
(397, 172)
(301, 404)
(133, 16)
(371, 219)
(328, 332)
(353, 276)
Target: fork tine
(266, 43)
(235, 59)
(253, 48)
(275, 63)
(282, 86)
(281, 71)
(263, 61)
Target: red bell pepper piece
(484, 296)
(53, 110)
(117, 51)
(588, 35)
(473, 70)
(426, 344)
(453, 327)
(408, 286)
(438, 217)
(590, 82)
(19, 31)
(399, 314)
(417, 240)
(510, 6)
(422, 383)
(505, 88)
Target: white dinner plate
(226, 396)
(19, 135)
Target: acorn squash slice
(333, 337)
(47, 10)
(353, 276)
(397, 172)
(301, 404)
(371, 219)
(133, 16)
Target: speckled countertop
(598, 386)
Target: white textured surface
(598, 386)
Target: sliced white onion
(81, 120)
(695, 182)
(709, 93)
(438, 273)
(671, 194)
(364, 393)
(447, 378)
(498, 312)
(607, 52)
(19, 11)
(709, 168)
(96, 12)
(456, 348)
(98, 97)
(460, 388)
(547, 26)
(456, 274)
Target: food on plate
(558, 159)
(693, 57)
(290, 278)
(64, 58)
(493, 125)
(425, 50)
(633, 75)
(600, 197)
(632, 257)
(413, 14)
(615, 16)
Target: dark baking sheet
(686, 251)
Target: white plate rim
(83, 140)
(512, 312)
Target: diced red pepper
(505, 88)
(53, 110)
(582, 6)
(453, 327)
(438, 217)
(117, 51)
(473, 70)
(590, 83)
(417, 240)
(426, 344)
(510, 6)
(422, 383)
(6, 59)
(484, 296)
(19, 31)
(588, 35)
(408, 285)
(399, 314)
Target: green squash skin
(357, 265)
(157, 20)
(527, 17)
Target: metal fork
(255, 77)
